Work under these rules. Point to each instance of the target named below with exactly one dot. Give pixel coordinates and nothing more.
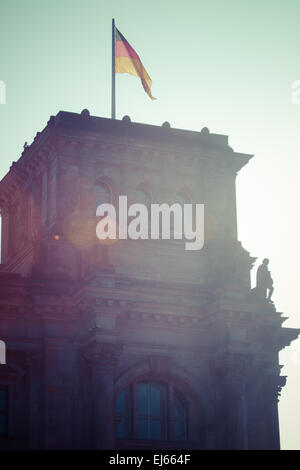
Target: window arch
(151, 410)
(102, 194)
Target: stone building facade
(139, 344)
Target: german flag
(128, 61)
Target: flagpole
(113, 74)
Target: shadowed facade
(138, 344)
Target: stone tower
(139, 344)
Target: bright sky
(225, 65)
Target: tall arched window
(151, 411)
(102, 194)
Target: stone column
(103, 358)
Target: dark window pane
(121, 429)
(152, 410)
(155, 429)
(178, 408)
(142, 399)
(155, 399)
(142, 429)
(150, 414)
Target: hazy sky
(228, 65)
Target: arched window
(151, 411)
(102, 194)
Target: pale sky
(225, 65)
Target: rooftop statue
(264, 281)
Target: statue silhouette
(264, 281)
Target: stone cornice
(96, 138)
(103, 148)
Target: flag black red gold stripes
(128, 61)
